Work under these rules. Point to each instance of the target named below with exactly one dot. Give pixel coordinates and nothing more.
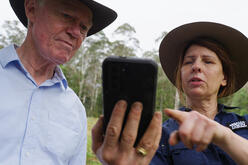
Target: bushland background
(83, 72)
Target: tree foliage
(13, 33)
(83, 72)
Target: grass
(91, 158)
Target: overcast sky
(151, 18)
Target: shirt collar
(221, 108)
(59, 76)
(8, 55)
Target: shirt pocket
(63, 136)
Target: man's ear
(30, 6)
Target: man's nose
(75, 31)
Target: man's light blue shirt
(39, 125)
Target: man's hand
(114, 149)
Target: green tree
(84, 70)
(12, 33)
(166, 91)
(126, 44)
(238, 99)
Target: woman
(210, 60)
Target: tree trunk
(177, 101)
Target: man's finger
(129, 133)
(115, 124)
(151, 138)
(176, 114)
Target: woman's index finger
(176, 114)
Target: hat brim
(102, 15)
(235, 43)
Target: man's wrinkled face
(59, 28)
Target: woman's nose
(196, 67)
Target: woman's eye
(208, 62)
(187, 62)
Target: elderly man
(42, 121)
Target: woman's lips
(195, 81)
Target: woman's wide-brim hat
(102, 15)
(233, 41)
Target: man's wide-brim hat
(102, 15)
(234, 42)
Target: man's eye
(67, 15)
(83, 27)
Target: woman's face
(201, 73)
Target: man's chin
(62, 58)
(59, 61)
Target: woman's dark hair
(222, 54)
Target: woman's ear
(224, 81)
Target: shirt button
(27, 154)
(32, 118)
